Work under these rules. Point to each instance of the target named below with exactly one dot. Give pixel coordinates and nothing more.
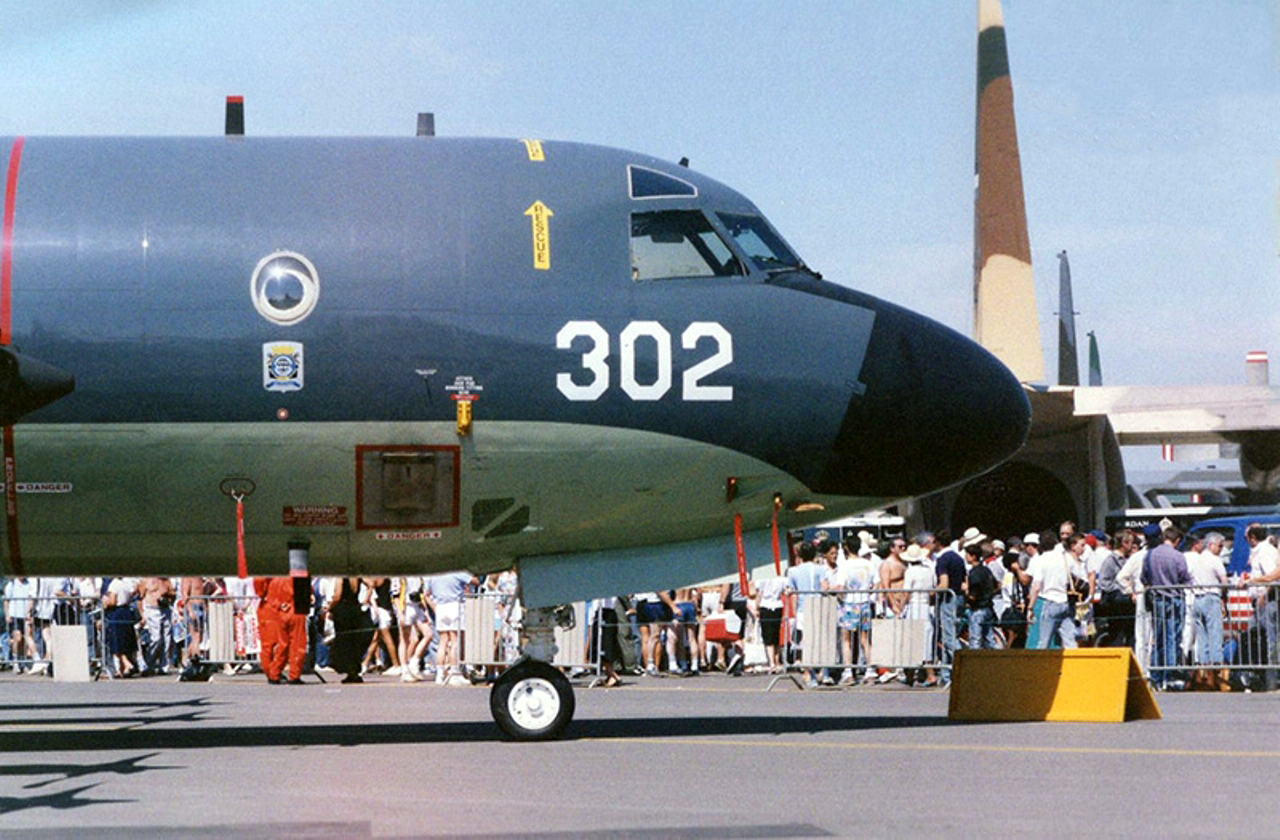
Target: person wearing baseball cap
(1019, 622)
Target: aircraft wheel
(532, 701)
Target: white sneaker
(457, 680)
(440, 675)
(393, 671)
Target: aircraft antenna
(1068, 358)
(235, 116)
(1095, 362)
(1257, 370)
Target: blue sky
(1147, 129)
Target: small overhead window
(650, 183)
(678, 243)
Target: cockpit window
(759, 242)
(678, 243)
(649, 183)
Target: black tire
(532, 701)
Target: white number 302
(595, 360)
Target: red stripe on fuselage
(6, 258)
(6, 323)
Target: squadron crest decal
(282, 366)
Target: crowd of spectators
(157, 625)
(1148, 590)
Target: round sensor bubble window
(285, 287)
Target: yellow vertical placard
(540, 215)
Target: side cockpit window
(678, 243)
(759, 242)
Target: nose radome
(937, 409)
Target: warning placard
(314, 516)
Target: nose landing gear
(532, 700)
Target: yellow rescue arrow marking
(540, 214)
(534, 148)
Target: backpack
(197, 670)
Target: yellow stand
(1090, 685)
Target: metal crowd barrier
(486, 620)
(26, 637)
(907, 629)
(1191, 631)
(223, 629)
(491, 625)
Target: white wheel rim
(533, 703)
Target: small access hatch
(407, 486)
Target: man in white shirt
(1050, 581)
(1204, 562)
(1130, 581)
(1264, 568)
(805, 580)
(853, 578)
(445, 594)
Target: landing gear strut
(532, 700)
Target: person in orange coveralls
(282, 628)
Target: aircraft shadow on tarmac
(142, 736)
(67, 772)
(196, 703)
(61, 801)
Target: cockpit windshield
(760, 243)
(678, 243)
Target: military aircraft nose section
(921, 375)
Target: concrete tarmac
(707, 757)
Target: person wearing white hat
(918, 580)
(1016, 623)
